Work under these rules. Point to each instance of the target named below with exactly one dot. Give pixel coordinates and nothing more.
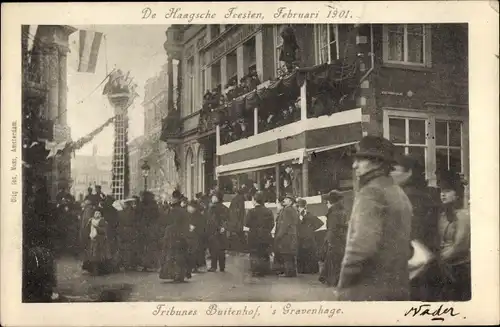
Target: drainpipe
(372, 55)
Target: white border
(483, 104)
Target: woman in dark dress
(151, 236)
(196, 231)
(128, 235)
(334, 245)
(260, 221)
(174, 258)
(98, 260)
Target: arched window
(201, 169)
(189, 174)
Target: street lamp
(145, 172)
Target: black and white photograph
(231, 163)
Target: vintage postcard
(250, 163)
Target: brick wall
(446, 81)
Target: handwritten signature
(437, 314)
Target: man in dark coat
(236, 219)
(128, 235)
(260, 221)
(148, 226)
(197, 235)
(67, 221)
(111, 216)
(174, 257)
(410, 175)
(307, 259)
(286, 236)
(335, 238)
(218, 216)
(375, 263)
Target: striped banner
(90, 43)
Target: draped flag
(54, 147)
(90, 42)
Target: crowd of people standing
(401, 241)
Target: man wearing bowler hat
(375, 263)
(286, 238)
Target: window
(203, 73)
(189, 174)
(190, 85)
(201, 170)
(216, 75)
(250, 55)
(408, 44)
(232, 67)
(409, 137)
(278, 45)
(449, 146)
(436, 138)
(327, 45)
(203, 86)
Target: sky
(135, 48)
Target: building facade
(255, 99)
(45, 104)
(136, 182)
(162, 178)
(88, 171)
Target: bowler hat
(301, 203)
(375, 147)
(332, 196)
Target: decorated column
(121, 94)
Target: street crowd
(402, 240)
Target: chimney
(94, 150)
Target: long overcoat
(218, 216)
(286, 238)
(174, 254)
(309, 224)
(236, 213)
(260, 221)
(334, 244)
(375, 264)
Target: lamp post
(145, 172)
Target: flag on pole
(90, 43)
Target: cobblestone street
(235, 284)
